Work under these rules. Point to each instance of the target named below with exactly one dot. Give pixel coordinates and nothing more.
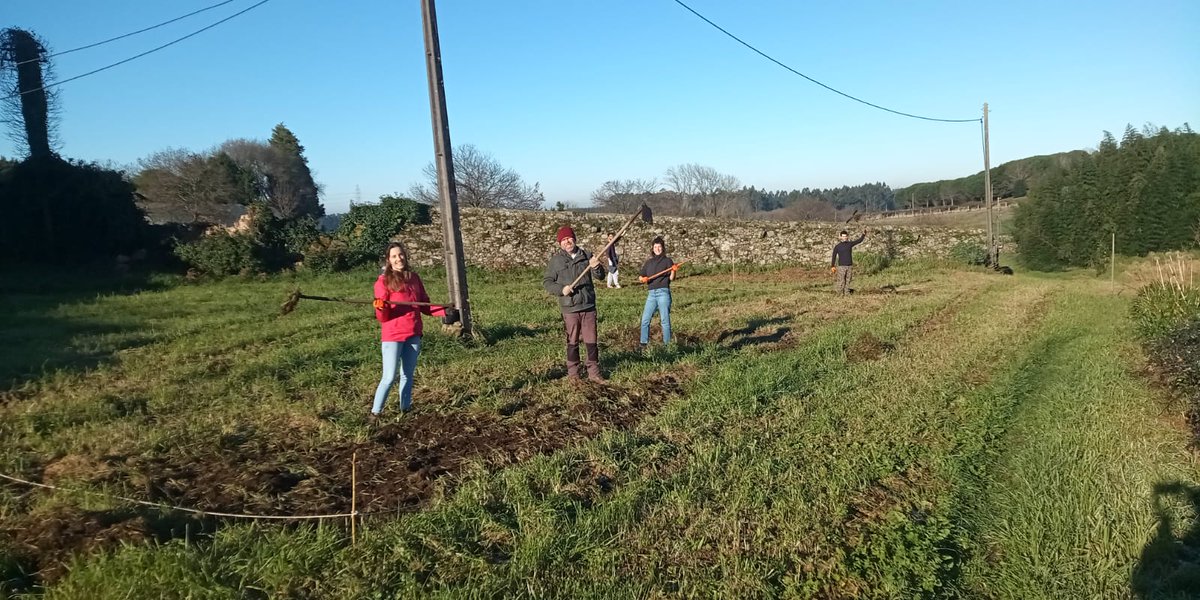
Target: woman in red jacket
(402, 325)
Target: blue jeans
(405, 355)
(657, 300)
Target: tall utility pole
(452, 246)
(987, 191)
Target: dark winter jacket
(842, 252)
(562, 270)
(655, 264)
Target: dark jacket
(562, 270)
(613, 258)
(843, 252)
(653, 265)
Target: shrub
(222, 254)
(1159, 309)
(270, 244)
(1177, 355)
(51, 205)
(328, 255)
(280, 242)
(1168, 303)
(869, 263)
(367, 228)
(969, 253)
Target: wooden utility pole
(456, 265)
(987, 190)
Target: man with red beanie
(578, 302)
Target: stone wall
(502, 239)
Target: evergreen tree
(1144, 190)
(293, 191)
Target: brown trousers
(581, 325)
(844, 276)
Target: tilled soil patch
(400, 467)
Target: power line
(839, 92)
(130, 34)
(132, 58)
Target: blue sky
(573, 93)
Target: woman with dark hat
(577, 302)
(657, 273)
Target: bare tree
(730, 203)
(481, 181)
(182, 186)
(287, 190)
(702, 190)
(623, 195)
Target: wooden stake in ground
(353, 497)
(1113, 261)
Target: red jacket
(403, 322)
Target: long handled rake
(295, 297)
(647, 216)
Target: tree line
(182, 186)
(1144, 190)
(1012, 179)
(697, 190)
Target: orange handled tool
(674, 267)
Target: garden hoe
(674, 267)
(296, 297)
(643, 212)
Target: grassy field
(975, 219)
(943, 433)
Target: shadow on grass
(1170, 563)
(751, 326)
(495, 334)
(40, 334)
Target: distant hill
(1009, 180)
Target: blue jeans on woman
(658, 300)
(403, 354)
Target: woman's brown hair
(396, 281)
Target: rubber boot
(573, 362)
(593, 363)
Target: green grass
(970, 435)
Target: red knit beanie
(565, 232)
